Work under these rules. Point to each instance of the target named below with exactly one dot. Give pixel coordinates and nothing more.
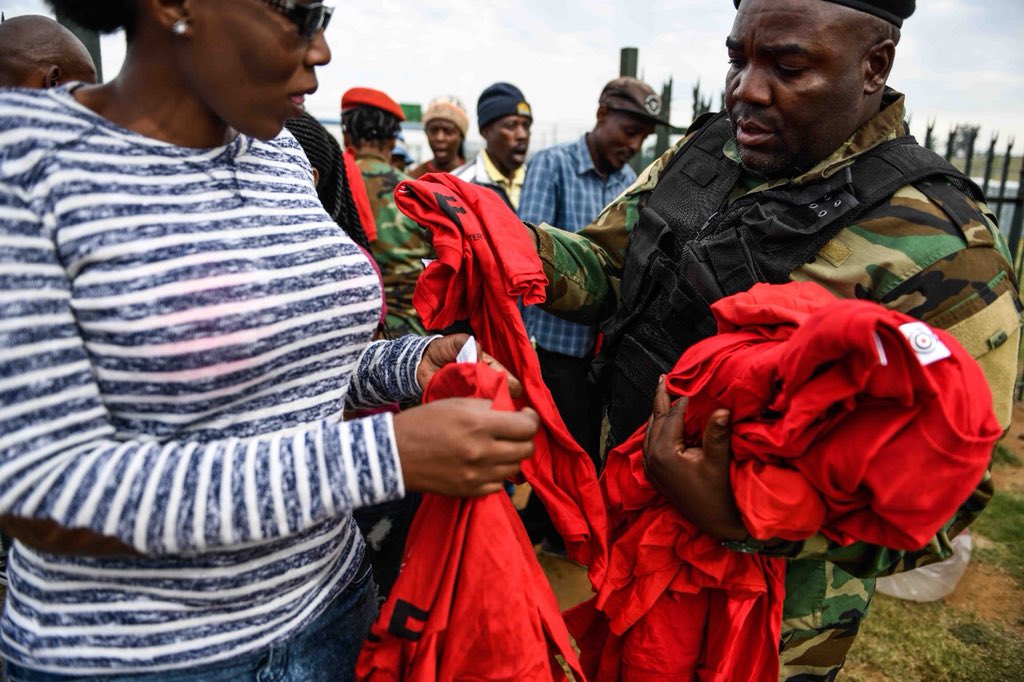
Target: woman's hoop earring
(180, 27)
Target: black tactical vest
(690, 248)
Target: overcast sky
(959, 60)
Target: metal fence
(997, 171)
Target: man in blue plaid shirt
(567, 186)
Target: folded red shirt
(471, 602)
(485, 262)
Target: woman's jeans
(323, 651)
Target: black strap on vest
(691, 248)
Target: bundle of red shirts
(471, 602)
(486, 261)
(847, 418)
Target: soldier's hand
(461, 447)
(694, 480)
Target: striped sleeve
(386, 372)
(59, 458)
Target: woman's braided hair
(324, 153)
(370, 124)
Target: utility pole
(662, 131)
(628, 58)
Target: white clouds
(959, 60)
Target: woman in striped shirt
(181, 329)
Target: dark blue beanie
(501, 99)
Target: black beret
(893, 11)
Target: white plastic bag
(931, 582)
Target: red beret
(368, 97)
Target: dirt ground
(986, 590)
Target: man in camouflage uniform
(371, 123)
(807, 106)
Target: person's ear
(52, 77)
(316, 177)
(877, 65)
(170, 12)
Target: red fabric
(828, 436)
(825, 436)
(675, 605)
(485, 262)
(471, 602)
(362, 200)
(368, 97)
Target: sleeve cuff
(386, 372)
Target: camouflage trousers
(822, 613)
(815, 655)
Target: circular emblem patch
(653, 105)
(922, 341)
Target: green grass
(1003, 523)
(908, 642)
(1004, 455)
(932, 642)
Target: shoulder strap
(802, 220)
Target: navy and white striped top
(180, 331)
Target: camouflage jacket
(401, 244)
(907, 256)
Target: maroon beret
(368, 97)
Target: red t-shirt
(485, 262)
(471, 601)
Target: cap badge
(653, 105)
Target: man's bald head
(37, 52)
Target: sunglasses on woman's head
(308, 19)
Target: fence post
(972, 137)
(990, 158)
(929, 135)
(950, 143)
(1006, 171)
(1017, 221)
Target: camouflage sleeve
(584, 269)
(399, 250)
(970, 291)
